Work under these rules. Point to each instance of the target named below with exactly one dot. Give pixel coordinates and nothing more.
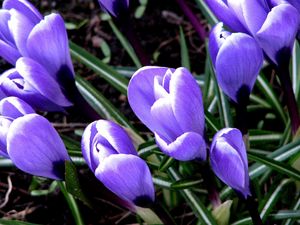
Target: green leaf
(72, 183)
(72, 204)
(162, 182)
(185, 59)
(267, 90)
(126, 45)
(166, 163)
(278, 166)
(198, 208)
(186, 183)
(210, 17)
(272, 199)
(100, 68)
(15, 222)
(100, 103)
(279, 155)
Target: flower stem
(193, 19)
(163, 214)
(242, 117)
(286, 84)
(253, 210)
(126, 27)
(210, 182)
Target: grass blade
(124, 42)
(100, 68)
(185, 59)
(278, 166)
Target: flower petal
(35, 147)
(25, 8)
(186, 101)
(14, 107)
(129, 177)
(229, 165)
(252, 14)
(39, 78)
(54, 55)
(141, 95)
(216, 39)
(114, 7)
(9, 53)
(226, 15)
(166, 123)
(238, 64)
(279, 31)
(4, 126)
(188, 146)
(20, 27)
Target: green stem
(286, 84)
(253, 210)
(72, 204)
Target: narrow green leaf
(211, 122)
(126, 45)
(72, 204)
(15, 222)
(185, 59)
(296, 206)
(267, 90)
(279, 155)
(162, 182)
(199, 209)
(166, 163)
(275, 165)
(100, 103)
(72, 183)
(100, 68)
(272, 199)
(186, 183)
(210, 17)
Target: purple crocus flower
(35, 147)
(22, 27)
(17, 18)
(237, 59)
(274, 23)
(10, 109)
(228, 159)
(115, 7)
(32, 83)
(110, 154)
(169, 103)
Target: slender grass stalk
(195, 21)
(72, 204)
(127, 29)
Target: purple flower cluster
(38, 48)
(168, 101)
(269, 25)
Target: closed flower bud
(169, 103)
(35, 147)
(10, 109)
(237, 59)
(228, 159)
(110, 154)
